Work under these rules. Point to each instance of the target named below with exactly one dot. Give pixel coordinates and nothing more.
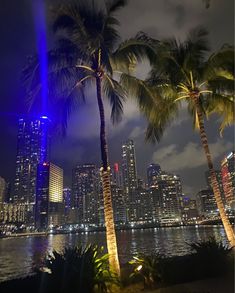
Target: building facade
(129, 176)
(166, 199)
(153, 171)
(3, 190)
(119, 207)
(228, 179)
(49, 208)
(144, 204)
(206, 203)
(189, 212)
(219, 180)
(86, 193)
(32, 148)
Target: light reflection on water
(19, 255)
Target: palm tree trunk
(105, 176)
(215, 186)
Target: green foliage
(78, 270)
(148, 267)
(210, 247)
(181, 71)
(208, 259)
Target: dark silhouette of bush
(211, 258)
(74, 270)
(207, 259)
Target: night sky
(179, 151)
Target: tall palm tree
(88, 54)
(184, 72)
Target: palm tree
(88, 54)
(182, 72)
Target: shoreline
(102, 229)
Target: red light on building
(116, 167)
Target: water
(19, 255)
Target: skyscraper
(129, 178)
(153, 171)
(116, 176)
(3, 187)
(219, 180)
(32, 148)
(188, 208)
(206, 203)
(49, 196)
(144, 204)
(166, 197)
(85, 193)
(119, 207)
(42, 196)
(67, 199)
(228, 178)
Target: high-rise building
(67, 197)
(49, 209)
(219, 180)
(144, 204)
(206, 203)
(32, 148)
(228, 178)
(14, 213)
(42, 196)
(166, 198)
(85, 193)
(153, 171)
(129, 178)
(189, 212)
(116, 175)
(119, 207)
(3, 188)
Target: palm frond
(140, 91)
(116, 96)
(113, 6)
(221, 85)
(224, 106)
(154, 133)
(220, 64)
(160, 117)
(135, 50)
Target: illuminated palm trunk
(105, 176)
(215, 186)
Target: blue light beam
(41, 40)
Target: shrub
(211, 257)
(78, 270)
(208, 258)
(148, 268)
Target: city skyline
(45, 152)
(44, 201)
